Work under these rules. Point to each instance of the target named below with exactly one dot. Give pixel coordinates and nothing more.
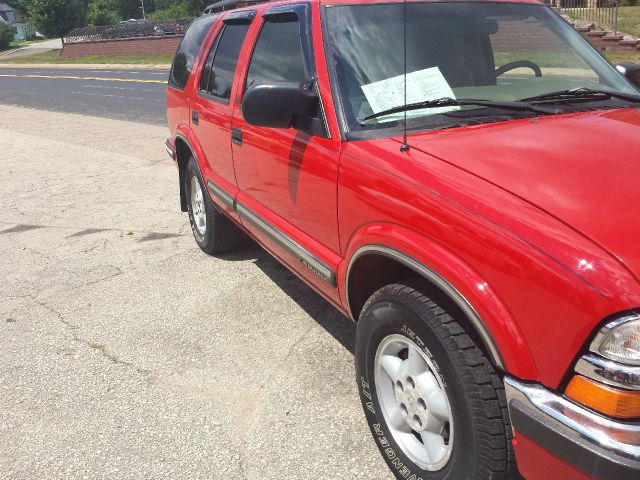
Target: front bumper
(169, 146)
(597, 446)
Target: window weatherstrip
(245, 16)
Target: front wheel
(435, 405)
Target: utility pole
(143, 15)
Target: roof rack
(229, 5)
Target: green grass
(560, 60)
(54, 58)
(22, 43)
(617, 57)
(629, 20)
(548, 60)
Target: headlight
(609, 381)
(620, 340)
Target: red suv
(462, 179)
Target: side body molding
(441, 283)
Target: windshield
(490, 51)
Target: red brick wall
(166, 45)
(525, 36)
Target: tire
(449, 398)
(214, 233)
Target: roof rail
(229, 5)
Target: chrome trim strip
(575, 421)
(294, 248)
(445, 286)
(221, 194)
(609, 372)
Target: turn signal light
(603, 398)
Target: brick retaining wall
(166, 45)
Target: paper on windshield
(422, 85)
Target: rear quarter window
(188, 50)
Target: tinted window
(217, 77)
(277, 56)
(188, 49)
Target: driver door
(287, 179)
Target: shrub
(6, 35)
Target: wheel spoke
(437, 405)
(434, 444)
(427, 384)
(414, 402)
(391, 365)
(396, 420)
(415, 364)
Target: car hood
(583, 169)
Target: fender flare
(442, 284)
(486, 313)
(185, 135)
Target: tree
(102, 12)
(195, 7)
(56, 18)
(6, 34)
(129, 8)
(177, 10)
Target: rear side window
(188, 49)
(277, 56)
(217, 76)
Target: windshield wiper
(452, 102)
(581, 93)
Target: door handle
(236, 136)
(194, 117)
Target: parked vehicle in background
(460, 179)
(136, 28)
(127, 29)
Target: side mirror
(283, 105)
(631, 71)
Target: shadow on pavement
(325, 314)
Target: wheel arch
(398, 266)
(184, 146)
(373, 264)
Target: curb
(85, 66)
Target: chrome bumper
(169, 150)
(595, 444)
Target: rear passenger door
(288, 178)
(213, 107)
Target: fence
(604, 13)
(127, 29)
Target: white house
(10, 15)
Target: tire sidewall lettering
(411, 335)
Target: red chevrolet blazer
(460, 178)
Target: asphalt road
(137, 96)
(127, 353)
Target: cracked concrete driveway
(125, 352)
